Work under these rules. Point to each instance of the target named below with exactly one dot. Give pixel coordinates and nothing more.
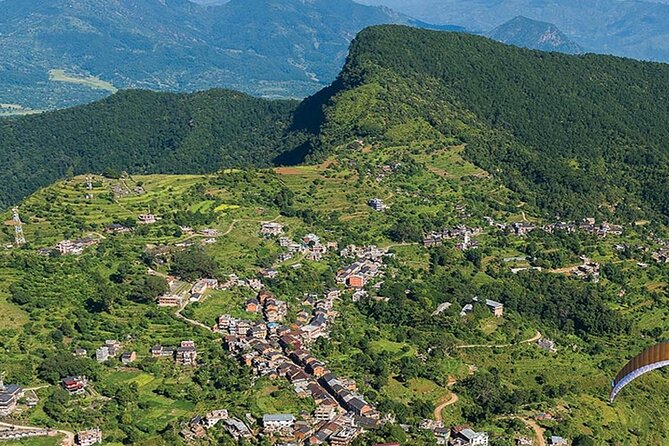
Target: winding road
(452, 399)
(440, 408)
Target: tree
(148, 288)
(193, 264)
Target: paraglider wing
(652, 358)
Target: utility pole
(19, 238)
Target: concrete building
(9, 397)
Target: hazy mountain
(55, 53)
(527, 33)
(622, 27)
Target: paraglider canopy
(652, 358)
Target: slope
(574, 135)
(142, 131)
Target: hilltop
(527, 33)
(628, 28)
(574, 135)
(143, 132)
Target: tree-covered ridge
(140, 131)
(575, 135)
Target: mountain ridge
(574, 136)
(527, 33)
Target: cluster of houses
(310, 246)
(271, 229)
(496, 308)
(185, 354)
(462, 233)
(386, 170)
(278, 351)
(196, 428)
(89, 437)
(110, 349)
(589, 270)
(273, 309)
(200, 287)
(455, 436)
(588, 225)
(9, 434)
(235, 282)
(661, 255)
(368, 266)
(75, 247)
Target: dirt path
(538, 430)
(190, 321)
(67, 441)
(452, 399)
(534, 338)
(440, 408)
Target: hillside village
(279, 337)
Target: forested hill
(575, 135)
(141, 131)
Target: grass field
(217, 303)
(88, 81)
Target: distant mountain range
(575, 136)
(55, 53)
(629, 28)
(59, 53)
(527, 33)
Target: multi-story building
(9, 396)
(89, 438)
(187, 354)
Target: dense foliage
(576, 136)
(139, 131)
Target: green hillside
(574, 135)
(142, 132)
(404, 357)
